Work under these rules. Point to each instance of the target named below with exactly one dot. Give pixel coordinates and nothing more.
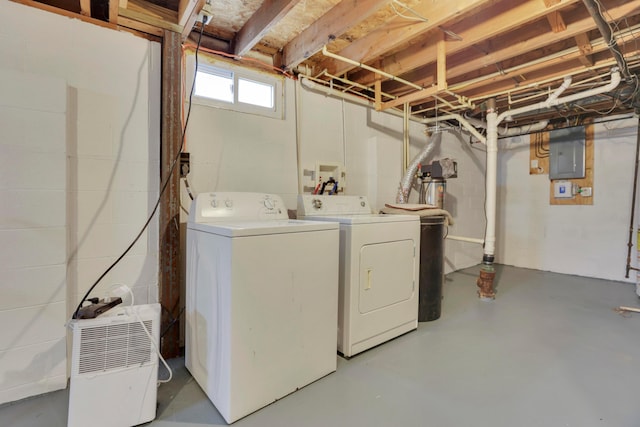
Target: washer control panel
(313, 204)
(221, 206)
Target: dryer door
(387, 274)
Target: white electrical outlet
(562, 189)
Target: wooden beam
(484, 25)
(503, 47)
(535, 73)
(143, 16)
(269, 14)
(441, 84)
(550, 3)
(412, 97)
(332, 24)
(397, 31)
(85, 8)
(441, 55)
(171, 144)
(113, 11)
(556, 21)
(140, 26)
(191, 21)
(584, 44)
(185, 9)
(188, 11)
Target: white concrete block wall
(589, 240)
(464, 199)
(33, 245)
(79, 162)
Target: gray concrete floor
(549, 351)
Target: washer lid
(258, 228)
(364, 219)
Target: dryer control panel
(233, 206)
(314, 204)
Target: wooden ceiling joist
(556, 21)
(188, 11)
(113, 11)
(151, 14)
(269, 14)
(332, 24)
(584, 44)
(474, 30)
(556, 70)
(85, 8)
(440, 86)
(504, 48)
(398, 31)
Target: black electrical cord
(162, 190)
(173, 321)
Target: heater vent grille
(108, 347)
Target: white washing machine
(261, 300)
(379, 270)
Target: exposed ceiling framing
(436, 55)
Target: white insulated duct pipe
(533, 127)
(407, 179)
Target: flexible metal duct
(407, 179)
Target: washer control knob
(317, 203)
(268, 203)
(228, 203)
(214, 203)
(362, 204)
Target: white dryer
(261, 300)
(379, 269)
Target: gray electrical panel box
(567, 153)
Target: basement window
(238, 90)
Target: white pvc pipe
(491, 181)
(556, 93)
(311, 85)
(465, 239)
(325, 52)
(493, 120)
(615, 81)
(533, 127)
(463, 121)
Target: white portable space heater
(114, 368)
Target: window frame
(276, 82)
